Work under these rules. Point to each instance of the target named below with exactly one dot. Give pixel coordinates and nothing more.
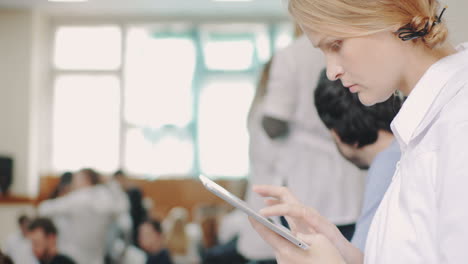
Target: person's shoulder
(386, 160)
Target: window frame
(201, 74)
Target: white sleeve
(61, 205)
(120, 203)
(452, 196)
(281, 95)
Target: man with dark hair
(17, 246)
(151, 240)
(362, 135)
(43, 236)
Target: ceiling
(254, 8)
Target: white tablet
(238, 203)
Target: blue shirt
(378, 179)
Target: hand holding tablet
(238, 203)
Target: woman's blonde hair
(354, 18)
(177, 237)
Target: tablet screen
(238, 203)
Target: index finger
(278, 192)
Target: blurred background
(158, 88)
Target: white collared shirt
(423, 216)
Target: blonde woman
(180, 240)
(376, 47)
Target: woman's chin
(366, 99)
(370, 100)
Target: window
(88, 48)
(86, 122)
(222, 130)
(158, 100)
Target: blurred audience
(135, 197)
(60, 220)
(182, 239)
(43, 236)
(18, 246)
(151, 240)
(89, 209)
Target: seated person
(181, 242)
(135, 198)
(17, 246)
(363, 136)
(43, 236)
(151, 240)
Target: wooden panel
(167, 193)
(12, 200)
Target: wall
(15, 77)
(457, 20)
(9, 214)
(22, 36)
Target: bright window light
(263, 46)
(88, 48)
(158, 76)
(284, 36)
(151, 155)
(86, 123)
(228, 55)
(222, 130)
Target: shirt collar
(424, 101)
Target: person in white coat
(238, 240)
(263, 154)
(89, 209)
(309, 162)
(374, 49)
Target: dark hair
(342, 111)
(65, 180)
(4, 259)
(23, 219)
(119, 173)
(45, 224)
(92, 175)
(155, 224)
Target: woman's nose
(334, 70)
